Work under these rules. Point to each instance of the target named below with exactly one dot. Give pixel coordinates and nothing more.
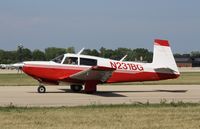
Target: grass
(16, 80)
(137, 116)
(187, 78)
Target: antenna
(80, 51)
(123, 58)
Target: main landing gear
(76, 88)
(90, 87)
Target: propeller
(18, 66)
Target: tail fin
(163, 59)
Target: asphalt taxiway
(107, 94)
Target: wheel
(41, 89)
(76, 88)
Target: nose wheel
(41, 89)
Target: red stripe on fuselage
(54, 73)
(140, 77)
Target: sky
(38, 24)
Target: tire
(76, 88)
(41, 89)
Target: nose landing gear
(41, 89)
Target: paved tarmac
(107, 94)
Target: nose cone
(33, 67)
(26, 67)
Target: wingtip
(161, 42)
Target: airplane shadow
(173, 91)
(114, 93)
(98, 93)
(146, 91)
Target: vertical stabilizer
(163, 59)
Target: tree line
(25, 54)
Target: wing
(95, 73)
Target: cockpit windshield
(58, 59)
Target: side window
(71, 60)
(89, 62)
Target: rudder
(163, 57)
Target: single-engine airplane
(78, 70)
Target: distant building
(183, 61)
(196, 62)
(187, 61)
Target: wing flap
(97, 73)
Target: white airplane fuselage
(77, 69)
